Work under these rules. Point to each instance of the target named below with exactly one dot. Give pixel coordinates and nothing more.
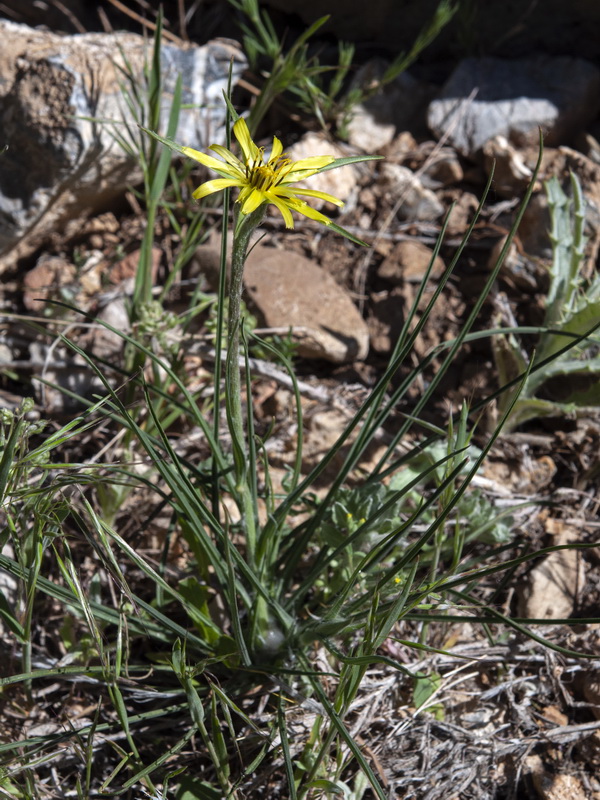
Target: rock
(591, 692)
(101, 230)
(553, 585)
(49, 278)
(205, 264)
(514, 99)
(409, 262)
(533, 231)
(401, 146)
(91, 275)
(289, 290)
(55, 369)
(125, 270)
(462, 213)
(418, 203)
(518, 270)
(445, 168)
(511, 173)
(550, 785)
(338, 182)
(590, 147)
(106, 343)
(559, 787)
(399, 105)
(323, 429)
(366, 132)
(554, 715)
(386, 319)
(60, 164)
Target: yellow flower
(263, 180)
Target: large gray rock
(290, 291)
(514, 99)
(54, 93)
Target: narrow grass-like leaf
(285, 750)
(341, 162)
(168, 754)
(339, 726)
(346, 234)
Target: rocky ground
(518, 721)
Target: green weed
(568, 346)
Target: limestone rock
(418, 203)
(55, 92)
(338, 182)
(367, 132)
(289, 290)
(511, 174)
(514, 99)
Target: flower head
(263, 179)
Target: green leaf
(193, 789)
(578, 324)
(346, 234)
(163, 140)
(8, 615)
(528, 408)
(6, 462)
(341, 162)
(327, 785)
(425, 686)
(232, 112)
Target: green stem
(244, 227)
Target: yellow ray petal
(283, 192)
(283, 209)
(276, 150)
(245, 192)
(242, 134)
(303, 208)
(252, 202)
(228, 156)
(314, 162)
(210, 187)
(293, 176)
(208, 161)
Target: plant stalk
(244, 226)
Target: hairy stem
(244, 227)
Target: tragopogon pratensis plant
(262, 181)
